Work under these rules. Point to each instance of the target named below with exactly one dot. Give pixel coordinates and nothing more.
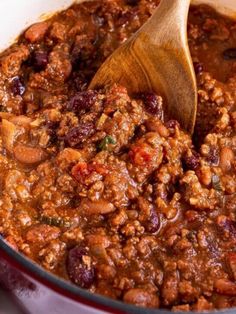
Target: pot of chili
(107, 206)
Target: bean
(40, 60)
(36, 32)
(153, 104)
(79, 267)
(229, 54)
(198, 67)
(142, 298)
(17, 86)
(191, 162)
(153, 223)
(226, 158)
(100, 207)
(29, 155)
(82, 101)
(225, 287)
(79, 134)
(132, 2)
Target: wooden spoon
(157, 58)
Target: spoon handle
(169, 21)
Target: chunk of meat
(42, 234)
(36, 32)
(187, 291)
(227, 227)
(169, 290)
(203, 305)
(68, 157)
(9, 132)
(11, 63)
(13, 180)
(52, 253)
(196, 195)
(155, 125)
(59, 66)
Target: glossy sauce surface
(97, 186)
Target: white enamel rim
(17, 15)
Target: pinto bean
(29, 155)
(97, 239)
(142, 298)
(225, 287)
(226, 158)
(106, 271)
(36, 32)
(100, 207)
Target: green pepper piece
(105, 142)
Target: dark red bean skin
(191, 162)
(52, 130)
(82, 101)
(39, 60)
(79, 134)
(172, 124)
(213, 156)
(227, 226)
(153, 104)
(132, 2)
(17, 86)
(198, 67)
(153, 223)
(82, 55)
(229, 54)
(80, 273)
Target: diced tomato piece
(140, 156)
(101, 169)
(82, 170)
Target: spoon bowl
(157, 58)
